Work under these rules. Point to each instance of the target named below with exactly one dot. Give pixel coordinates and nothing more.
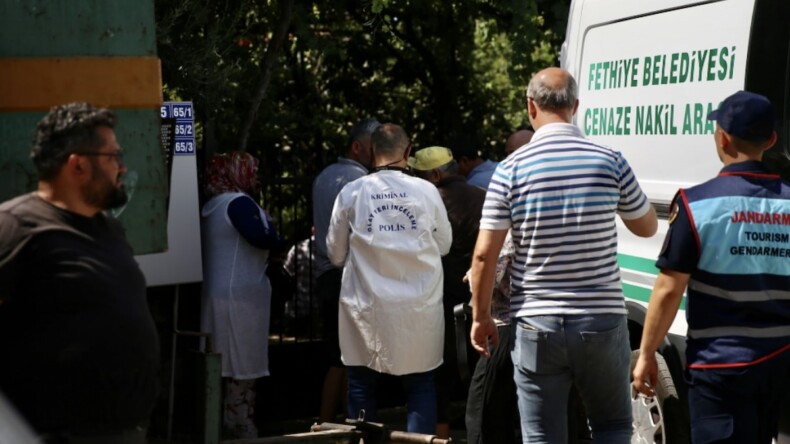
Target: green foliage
(436, 67)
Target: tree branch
(267, 66)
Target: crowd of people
(400, 238)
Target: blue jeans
(592, 352)
(420, 398)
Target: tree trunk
(267, 66)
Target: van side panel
(648, 75)
(648, 95)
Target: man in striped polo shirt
(726, 243)
(560, 194)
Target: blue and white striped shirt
(560, 195)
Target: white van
(649, 72)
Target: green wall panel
(145, 216)
(42, 28)
(69, 28)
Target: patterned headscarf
(231, 172)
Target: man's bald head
(553, 89)
(552, 97)
(517, 140)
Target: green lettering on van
(701, 65)
(673, 68)
(648, 66)
(695, 119)
(702, 57)
(712, 64)
(613, 74)
(607, 121)
(725, 63)
(656, 119)
(685, 66)
(643, 123)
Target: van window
(768, 73)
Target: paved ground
(393, 418)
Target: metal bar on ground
(392, 436)
(321, 437)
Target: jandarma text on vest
(756, 217)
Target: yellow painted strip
(37, 84)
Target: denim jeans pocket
(530, 347)
(607, 348)
(711, 429)
(606, 336)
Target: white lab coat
(389, 230)
(236, 300)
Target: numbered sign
(183, 127)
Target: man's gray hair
(550, 98)
(363, 128)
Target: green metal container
(99, 51)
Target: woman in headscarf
(237, 235)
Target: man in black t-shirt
(79, 346)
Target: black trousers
(736, 405)
(492, 405)
(329, 294)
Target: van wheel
(660, 419)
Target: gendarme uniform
(732, 234)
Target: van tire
(673, 409)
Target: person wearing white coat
(237, 236)
(389, 230)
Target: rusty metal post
(210, 387)
(209, 383)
